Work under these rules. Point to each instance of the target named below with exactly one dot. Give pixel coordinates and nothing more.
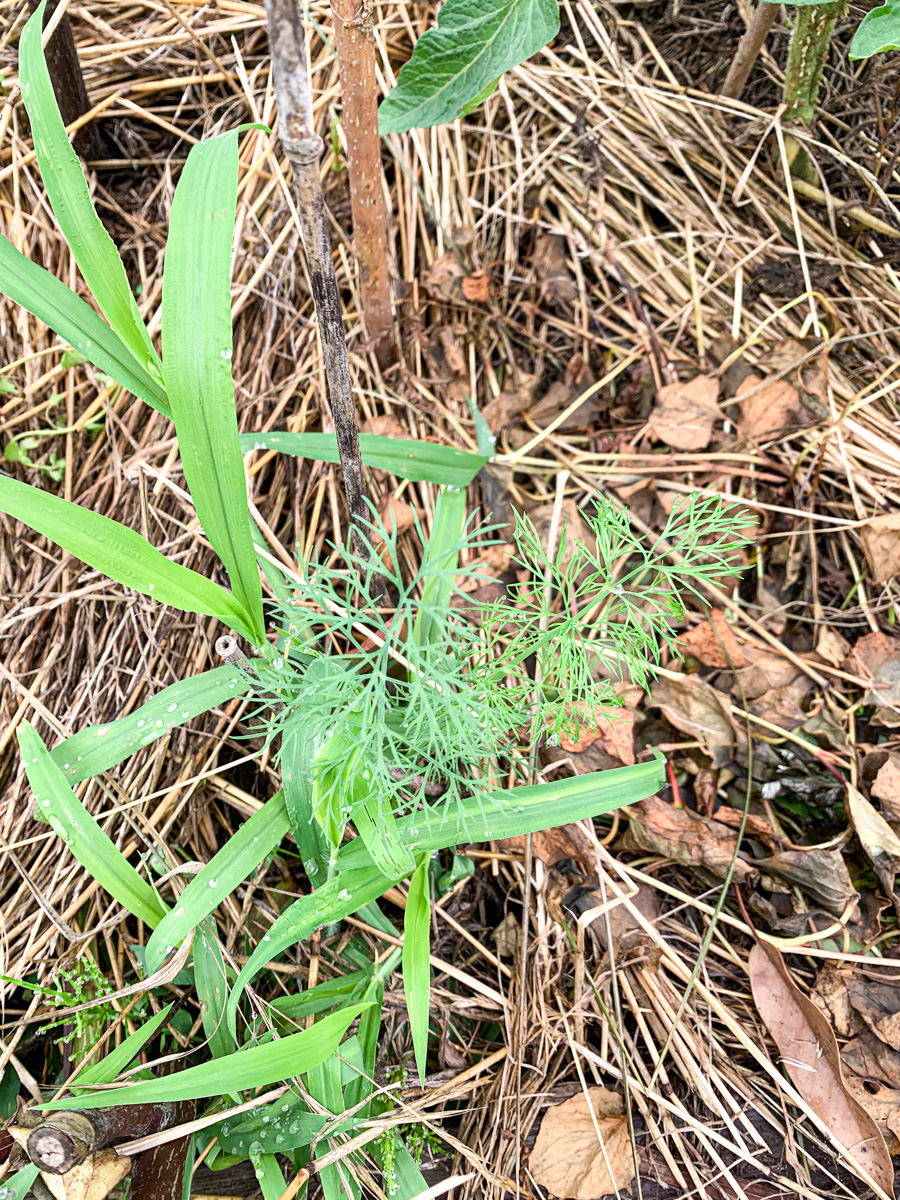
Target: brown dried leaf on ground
(781, 705)
(880, 539)
(772, 407)
(755, 827)
(878, 840)
(551, 268)
(477, 288)
(684, 413)
(821, 874)
(832, 646)
(764, 670)
(809, 1053)
(697, 709)
(712, 642)
(686, 837)
(92, 1179)
(880, 1102)
(507, 405)
(876, 657)
(878, 1003)
(385, 426)
(831, 997)
(613, 728)
(570, 520)
(559, 396)
(397, 517)
(444, 275)
(869, 1057)
(886, 786)
(565, 843)
(570, 1161)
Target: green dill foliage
(391, 718)
(84, 983)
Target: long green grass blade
(118, 1059)
(99, 747)
(295, 760)
(378, 831)
(46, 298)
(92, 247)
(18, 1186)
(404, 457)
(321, 997)
(324, 1084)
(517, 810)
(416, 965)
(269, 1175)
(369, 1030)
(211, 982)
(235, 862)
(197, 346)
(255, 1067)
(57, 804)
(440, 561)
(120, 553)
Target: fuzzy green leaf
(254, 1067)
(99, 747)
(197, 348)
(424, 462)
(416, 965)
(92, 247)
(474, 43)
(226, 870)
(56, 803)
(45, 297)
(120, 553)
(878, 31)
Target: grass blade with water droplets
(197, 347)
(119, 552)
(416, 965)
(57, 804)
(121, 1056)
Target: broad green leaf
(255, 1067)
(197, 347)
(878, 31)
(45, 297)
(288, 1122)
(99, 747)
(440, 561)
(298, 747)
(269, 1175)
(92, 247)
(406, 458)
(118, 1059)
(478, 100)
(416, 965)
(323, 996)
(474, 43)
(211, 982)
(473, 819)
(57, 804)
(120, 553)
(379, 832)
(18, 1186)
(369, 1031)
(235, 862)
(337, 898)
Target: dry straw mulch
(602, 227)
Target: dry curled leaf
(878, 840)
(551, 268)
(712, 642)
(832, 646)
(869, 1057)
(570, 1161)
(822, 874)
(809, 1054)
(677, 833)
(684, 413)
(886, 786)
(772, 407)
(565, 843)
(477, 288)
(880, 539)
(697, 709)
(92, 1179)
(876, 657)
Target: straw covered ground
(614, 264)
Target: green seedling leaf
(269, 1175)
(57, 804)
(120, 553)
(211, 981)
(256, 1067)
(325, 1085)
(406, 458)
(474, 43)
(197, 347)
(99, 747)
(416, 965)
(878, 31)
(322, 997)
(92, 247)
(369, 1031)
(289, 1127)
(42, 294)
(235, 862)
(118, 1059)
(298, 749)
(440, 561)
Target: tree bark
(57, 1142)
(68, 83)
(359, 118)
(748, 49)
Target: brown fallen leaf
(397, 516)
(565, 843)
(878, 1003)
(809, 1053)
(876, 657)
(770, 411)
(684, 413)
(570, 1161)
(822, 874)
(612, 727)
(880, 539)
(831, 645)
(712, 642)
(697, 709)
(507, 937)
(92, 1179)
(886, 786)
(764, 670)
(686, 837)
(781, 705)
(385, 426)
(878, 840)
(477, 288)
(443, 276)
(831, 997)
(869, 1057)
(804, 362)
(755, 827)
(551, 268)
(880, 1102)
(509, 404)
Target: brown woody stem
(748, 49)
(159, 1172)
(359, 119)
(68, 82)
(304, 148)
(60, 1141)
